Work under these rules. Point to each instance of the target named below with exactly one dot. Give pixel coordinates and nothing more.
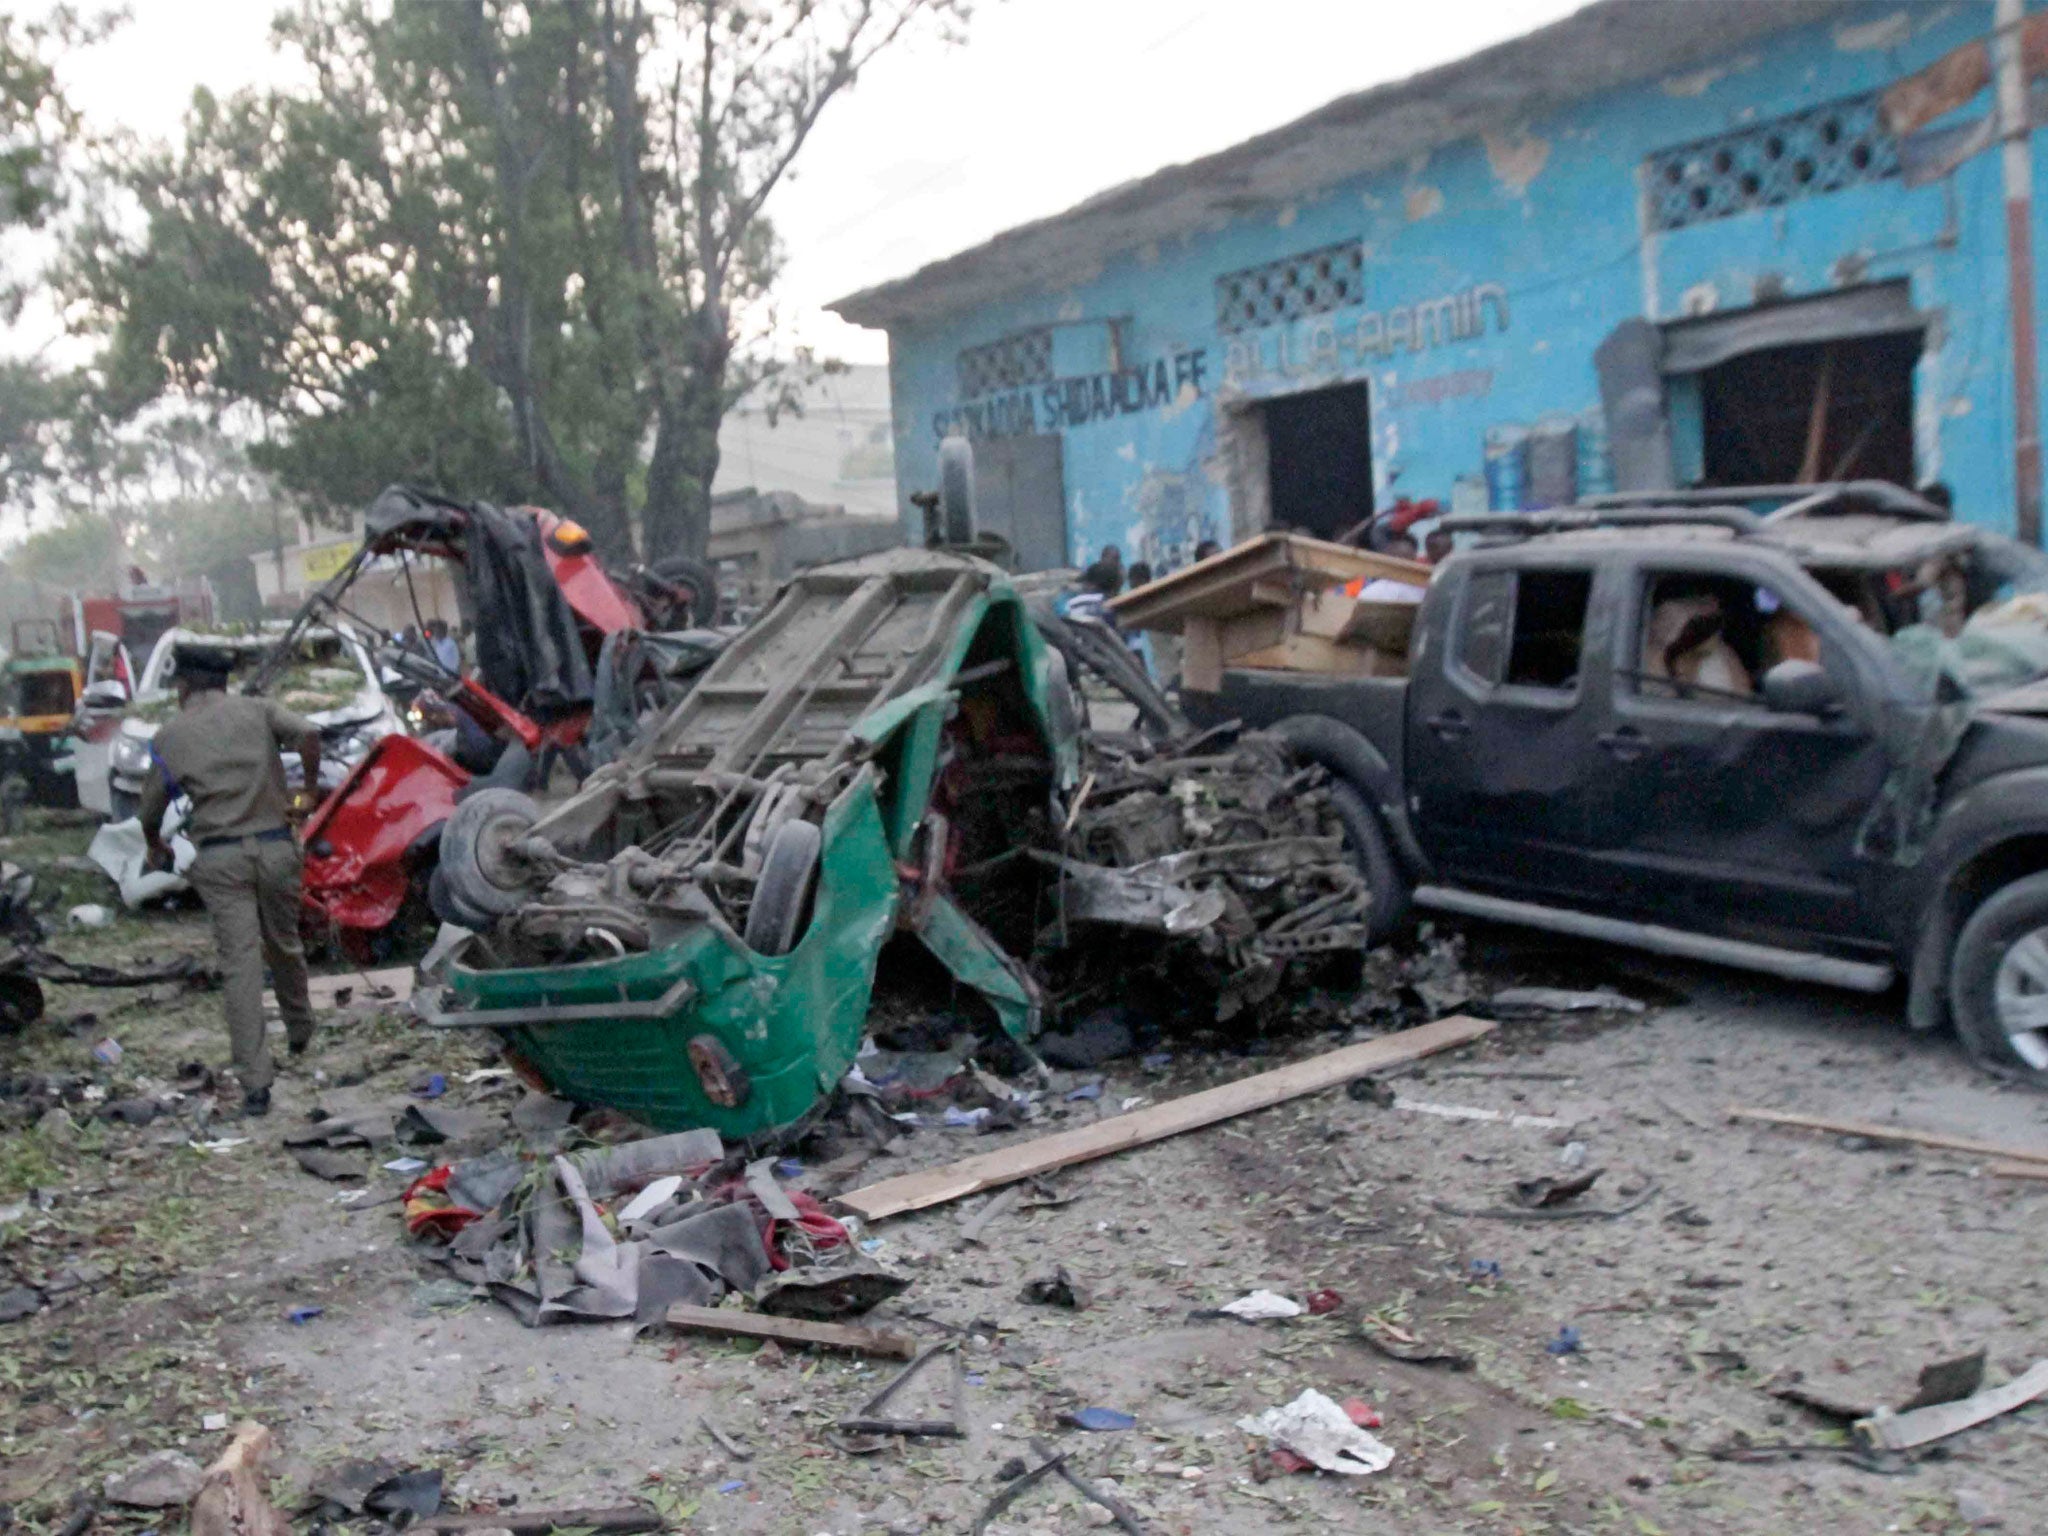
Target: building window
(1012, 363)
(1822, 149)
(1313, 283)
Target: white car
(334, 684)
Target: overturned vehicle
(891, 758)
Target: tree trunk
(677, 513)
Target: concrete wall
(1538, 239)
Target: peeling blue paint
(1479, 320)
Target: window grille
(1012, 363)
(1822, 149)
(1312, 283)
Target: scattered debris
(1890, 1133)
(1567, 1341)
(1527, 1002)
(1099, 1420)
(1260, 1305)
(937, 1186)
(725, 1442)
(1315, 1428)
(869, 1419)
(1397, 1343)
(619, 1521)
(1561, 1213)
(1472, 1112)
(1323, 1302)
(1918, 1426)
(161, 1480)
(1544, 1192)
(231, 1501)
(731, 1323)
(821, 1293)
(1058, 1289)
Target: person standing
(221, 749)
(445, 650)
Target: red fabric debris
(1322, 1303)
(429, 1210)
(822, 1230)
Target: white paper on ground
(1262, 1304)
(1317, 1430)
(652, 1198)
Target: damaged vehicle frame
(892, 750)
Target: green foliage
(496, 247)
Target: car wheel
(782, 896)
(1367, 845)
(479, 869)
(447, 907)
(1998, 982)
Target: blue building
(1659, 243)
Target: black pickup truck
(1812, 742)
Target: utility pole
(2017, 130)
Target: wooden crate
(1278, 601)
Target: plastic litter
(1573, 1155)
(652, 1198)
(1100, 1419)
(89, 914)
(432, 1086)
(1322, 1303)
(732, 1485)
(108, 1052)
(303, 1315)
(1483, 1269)
(405, 1165)
(1567, 1342)
(1323, 1434)
(1259, 1305)
(962, 1119)
(1085, 1091)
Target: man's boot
(256, 1103)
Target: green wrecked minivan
(891, 750)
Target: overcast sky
(938, 148)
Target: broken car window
(1550, 628)
(1712, 636)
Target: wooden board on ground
(1877, 1132)
(1919, 1426)
(936, 1186)
(790, 1330)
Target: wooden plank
(1201, 655)
(1306, 653)
(1253, 631)
(790, 1330)
(936, 1186)
(1918, 1426)
(538, 1522)
(2036, 1171)
(1878, 1132)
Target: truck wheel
(477, 867)
(782, 896)
(1998, 982)
(1368, 848)
(448, 908)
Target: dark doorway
(1319, 460)
(1827, 410)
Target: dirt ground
(1752, 1253)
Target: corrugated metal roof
(1607, 45)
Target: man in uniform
(222, 750)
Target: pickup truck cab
(1813, 742)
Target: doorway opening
(1823, 410)
(1319, 460)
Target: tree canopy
(512, 250)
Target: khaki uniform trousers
(251, 890)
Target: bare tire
(782, 896)
(1998, 982)
(1367, 845)
(956, 490)
(477, 866)
(697, 590)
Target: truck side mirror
(1801, 688)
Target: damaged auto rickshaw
(892, 749)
